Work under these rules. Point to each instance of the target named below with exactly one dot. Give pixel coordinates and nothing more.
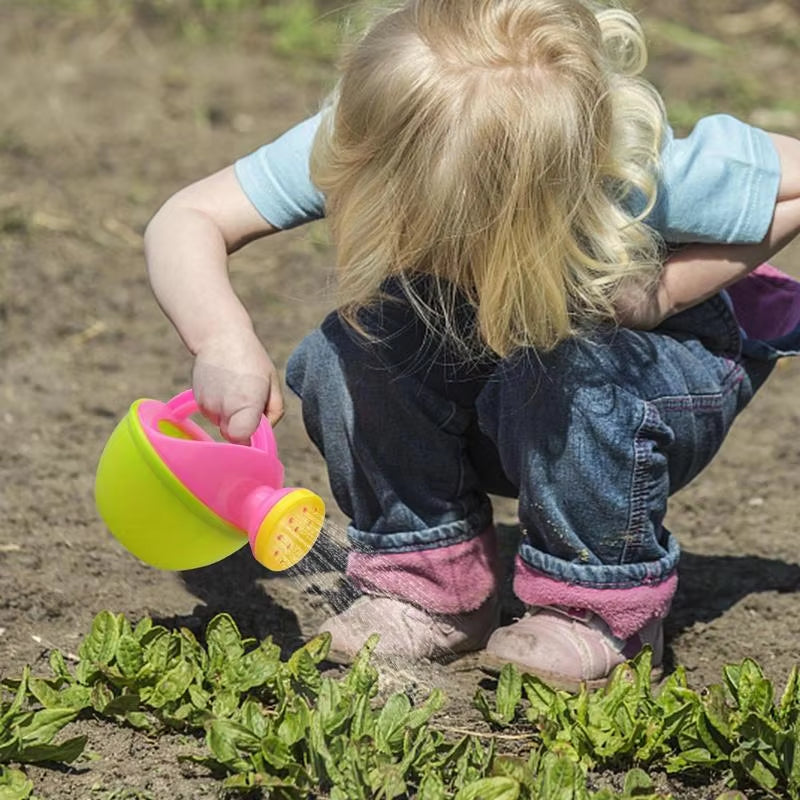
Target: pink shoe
(568, 648)
(408, 632)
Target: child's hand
(235, 382)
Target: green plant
(14, 785)
(26, 734)
(289, 730)
(734, 728)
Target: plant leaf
(514, 767)
(390, 726)
(100, 645)
(66, 751)
(789, 705)
(41, 726)
(19, 698)
(295, 723)
(75, 696)
(318, 647)
(225, 703)
(157, 643)
(225, 738)
(139, 720)
(59, 666)
(172, 685)
(509, 692)
(362, 677)
(130, 655)
(260, 666)
(100, 697)
(223, 640)
(637, 781)
(559, 778)
(44, 693)
(498, 788)
(143, 627)
(14, 784)
(304, 670)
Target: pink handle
(184, 405)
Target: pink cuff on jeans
(625, 611)
(447, 580)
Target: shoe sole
(555, 680)
(345, 659)
(444, 658)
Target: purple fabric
(766, 303)
(446, 580)
(625, 611)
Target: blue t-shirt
(719, 184)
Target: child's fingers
(212, 415)
(241, 424)
(275, 406)
(209, 407)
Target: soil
(105, 114)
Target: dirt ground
(104, 115)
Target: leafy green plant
(26, 734)
(734, 728)
(14, 785)
(290, 730)
(150, 677)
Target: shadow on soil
(233, 586)
(710, 585)
(240, 586)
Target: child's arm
(187, 244)
(699, 271)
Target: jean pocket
(699, 419)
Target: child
(504, 195)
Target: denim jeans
(592, 437)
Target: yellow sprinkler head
(288, 530)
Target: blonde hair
(493, 145)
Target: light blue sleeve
(719, 184)
(276, 178)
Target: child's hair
(494, 145)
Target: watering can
(178, 499)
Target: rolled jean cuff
(624, 610)
(410, 541)
(604, 576)
(453, 579)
